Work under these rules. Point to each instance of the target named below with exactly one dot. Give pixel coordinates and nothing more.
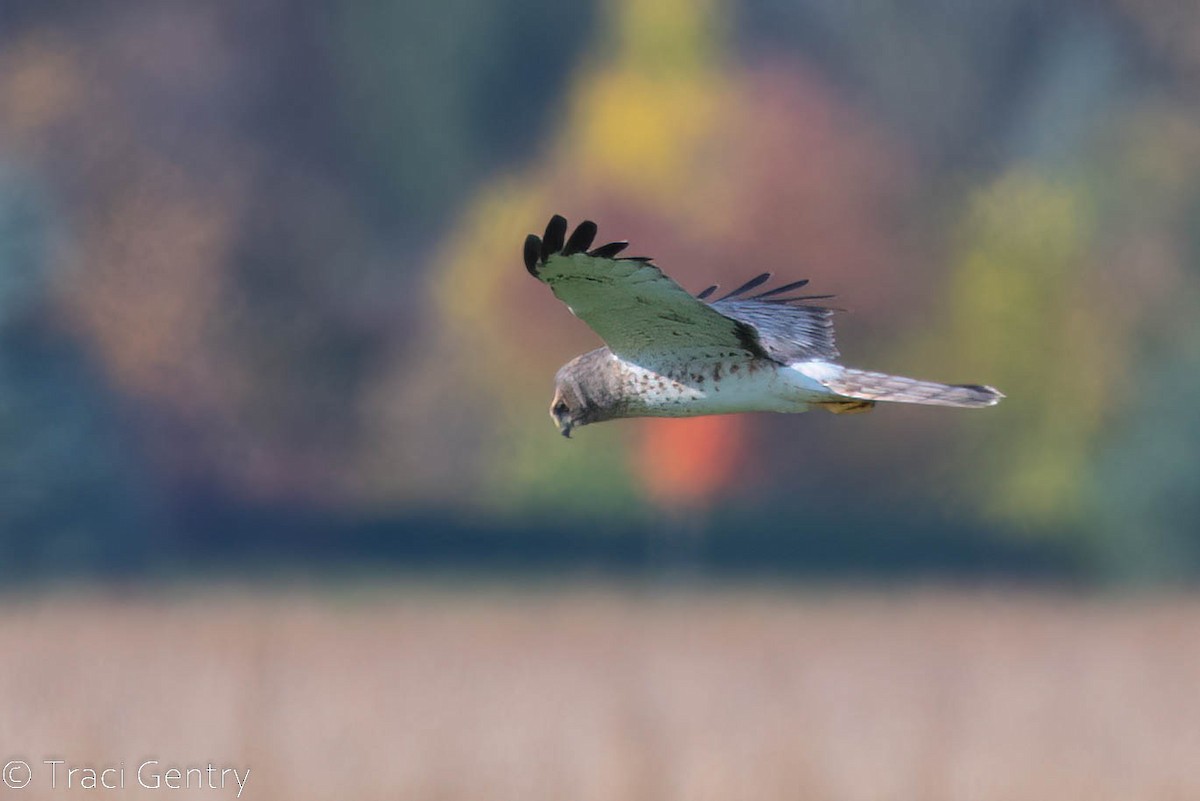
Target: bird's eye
(560, 408)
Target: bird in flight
(672, 354)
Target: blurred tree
(233, 180)
(1022, 315)
(1170, 30)
(436, 95)
(70, 489)
(955, 80)
(250, 205)
(1142, 490)
(1144, 496)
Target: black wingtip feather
(795, 299)
(538, 250)
(610, 250)
(779, 290)
(708, 291)
(552, 241)
(581, 238)
(757, 280)
(533, 253)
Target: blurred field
(617, 693)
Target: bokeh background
(278, 485)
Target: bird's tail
(867, 386)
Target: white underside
(688, 389)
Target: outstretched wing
(641, 313)
(638, 312)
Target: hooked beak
(564, 428)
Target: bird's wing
(787, 328)
(641, 313)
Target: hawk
(672, 354)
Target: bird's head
(567, 414)
(585, 391)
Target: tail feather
(868, 386)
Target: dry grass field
(612, 694)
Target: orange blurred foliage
(690, 462)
